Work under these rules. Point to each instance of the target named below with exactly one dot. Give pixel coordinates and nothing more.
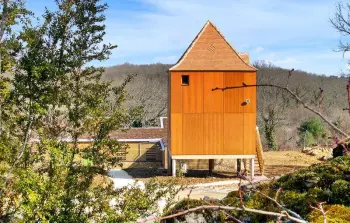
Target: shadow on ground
(155, 172)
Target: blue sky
(288, 33)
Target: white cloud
(287, 28)
(259, 49)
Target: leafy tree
(58, 94)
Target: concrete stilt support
(235, 165)
(251, 168)
(169, 164)
(211, 166)
(173, 168)
(239, 166)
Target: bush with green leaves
(335, 214)
(312, 132)
(324, 182)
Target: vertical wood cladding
(249, 133)
(213, 133)
(233, 98)
(192, 139)
(233, 133)
(176, 133)
(192, 94)
(206, 122)
(175, 92)
(213, 100)
(250, 92)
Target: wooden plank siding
(233, 98)
(213, 133)
(176, 133)
(176, 92)
(192, 94)
(192, 139)
(206, 122)
(250, 92)
(250, 114)
(249, 133)
(233, 134)
(213, 100)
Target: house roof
(151, 134)
(245, 57)
(211, 51)
(140, 134)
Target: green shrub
(316, 195)
(300, 181)
(311, 132)
(328, 181)
(270, 137)
(335, 214)
(293, 200)
(341, 192)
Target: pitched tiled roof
(140, 133)
(245, 57)
(211, 51)
(137, 134)
(144, 133)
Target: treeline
(149, 92)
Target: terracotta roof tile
(211, 51)
(140, 133)
(245, 57)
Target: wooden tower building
(207, 124)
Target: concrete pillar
(211, 166)
(173, 168)
(165, 160)
(239, 166)
(169, 163)
(235, 165)
(252, 168)
(245, 164)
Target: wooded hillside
(149, 91)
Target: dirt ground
(276, 164)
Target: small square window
(185, 79)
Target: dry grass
(282, 162)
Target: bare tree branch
(270, 198)
(226, 208)
(319, 207)
(296, 97)
(18, 158)
(235, 219)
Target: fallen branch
(320, 208)
(271, 199)
(226, 208)
(232, 217)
